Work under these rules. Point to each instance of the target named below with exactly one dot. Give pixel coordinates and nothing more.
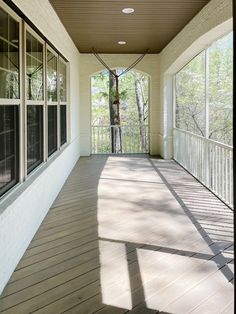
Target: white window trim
(22, 103)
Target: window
(51, 76)
(9, 153)
(34, 136)
(9, 58)
(52, 129)
(33, 112)
(35, 102)
(9, 101)
(63, 123)
(34, 68)
(204, 94)
(63, 99)
(52, 99)
(62, 80)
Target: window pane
(34, 136)
(3, 24)
(9, 57)
(34, 68)
(52, 129)
(190, 96)
(51, 76)
(9, 161)
(13, 31)
(62, 80)
(63, 123)
(221, 90)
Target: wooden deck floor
(128, 234)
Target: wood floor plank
(135, 222)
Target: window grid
(10, 80)
(27, 105)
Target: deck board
(128, 235)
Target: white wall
(22, 211)
(90, 65)
(214, 20)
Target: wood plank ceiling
(101, 23)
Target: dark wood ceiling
(101, 23)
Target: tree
(132, 110)
(191, 93)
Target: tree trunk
(141, 115)
(116, 141)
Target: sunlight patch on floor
(114, 275)
(174, 283)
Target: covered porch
(128, 234)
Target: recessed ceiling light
(128, 10)
(121, 42)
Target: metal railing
(131, 139)
(209, 161)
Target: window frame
(63, 103)
(52, 103)
(22, 102)
(19, 146)
(28, 102)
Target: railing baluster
(130, 134)
(209, 161)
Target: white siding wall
(90, 65)
(23, 210)
(214, 20)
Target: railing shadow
(211, 218)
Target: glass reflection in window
(51, 76)
(34, 68)
(9, 57)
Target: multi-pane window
(9, 101)
(35, 100)
(33, 113)
(204, 102)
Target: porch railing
(131, 139)
(209, 161)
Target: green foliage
(191, 94)
(128, 104)
(130, 116)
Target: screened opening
(122, 128)
(203, 137)
(204, 93)
(9, 155)
(190, 96)
(52, 129)
(34, 136)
